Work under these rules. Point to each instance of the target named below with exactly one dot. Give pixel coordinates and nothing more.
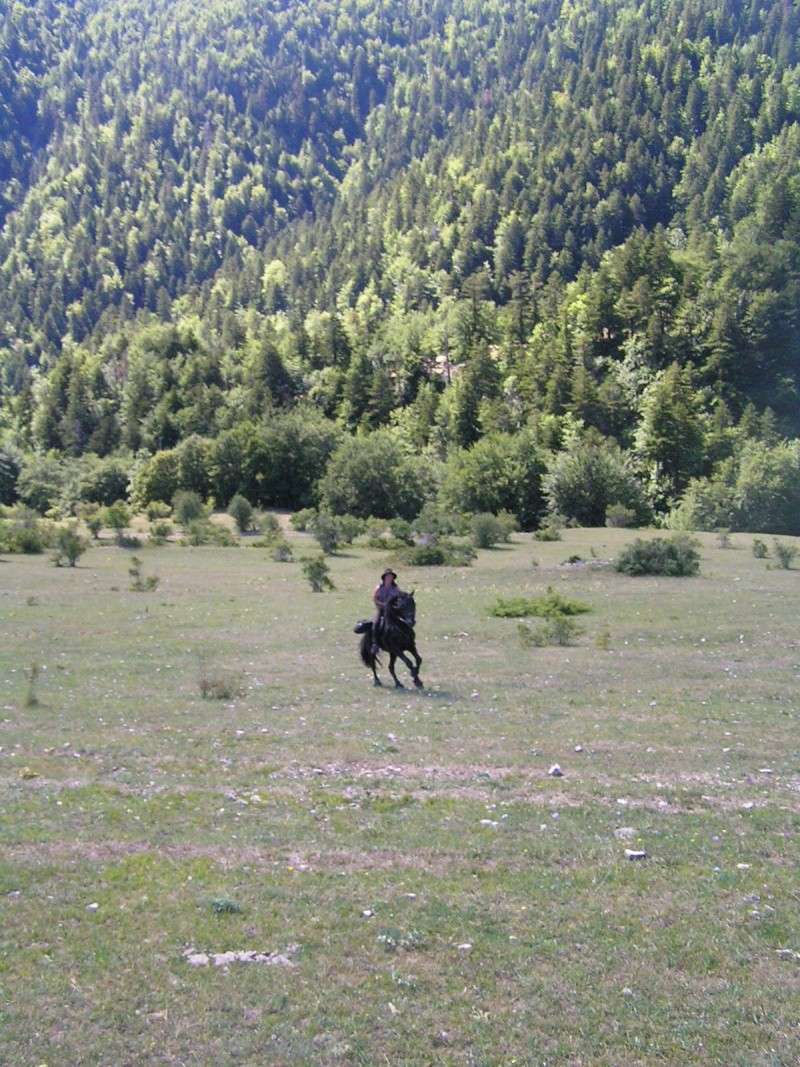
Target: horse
(396, 637)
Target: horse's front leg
(376, 679)
(415, 671)
(392, 661)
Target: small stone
(488, 822)
(748, 805)
(742, 866)
(555, 771)
(627, 992)
(92, 907)
(26, 774)
(367, 913)
(787, 954)
(765, 770)
(578, 748)
(625, 833)
(635, 854)
(466, 947)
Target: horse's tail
(366, 649)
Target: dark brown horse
(395, 636)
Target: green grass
(383, 831)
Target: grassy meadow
(433, 895)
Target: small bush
(509, 525)
(216, 683)
(349, 528)
(241, 511)
(550, 531)
(617, 515)
(674, 557)
(485, 530)
(31, 696)
(269, 526)
(301, 519)
(401, 531)
(69, 546)
(603, 640)
(203, 532)
(784, 554)
(160, 532)
(317, 572)
(116, 517)
(760, 550)
(94, 524)
(141, 583)
(444, 554)
(129, 541)
(187, 507)
(555, 630)
(325, 531)
(552, 603)
(723, 538)
(282, 552)
(225, 906)
(157, 509)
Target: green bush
(325, 531)
(282, 552)
(241, 511)
(444, 553)
(317, 572)
(617, 515)
(204, 532)
(157, 509)
(116, 517)
(485, 530)
(673, 557)
(552, 603)
(187, 507)
(141, 583)
(270, 527)
(760, 550)
(301, 519)
(555, 630)
(401, 531)
(68, 546)
(784, 554)
(350, 527)
(370, 475)
(550, 530)
(508, 525)
(160, 532)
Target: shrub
(325, 530)
(317, 572)
(116, 517)
(40, 483)
(400, 530)
(444, 553)
(102, 481)
(555, 630)
(486, 531)
(784, 554)
(301, 519)
(157, 509)
(617, 515)
(141, 583)
(24, 532)
(349, 527)
(435, 521)
(216, 683)
(673, 557)
(94, 522)
(508, 525)
(203, 532)
(723, 538)
(31, 696)
(282, 552)
(160, 532)
(241, 511)
(68, 546)
(760, 550)
(9, 473)
(269, 526)
(552, 603)
(551, 530)
(187, 507)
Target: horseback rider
(386, 591)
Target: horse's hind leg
(414, 670)
(392, 661)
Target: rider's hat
(388, 571)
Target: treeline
(539, 233)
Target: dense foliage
(514, 255)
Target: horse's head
(404, 609)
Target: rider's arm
(375, 599)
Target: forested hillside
(527, 254)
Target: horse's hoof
(418, 683)
(399, 685)
(378, 683)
